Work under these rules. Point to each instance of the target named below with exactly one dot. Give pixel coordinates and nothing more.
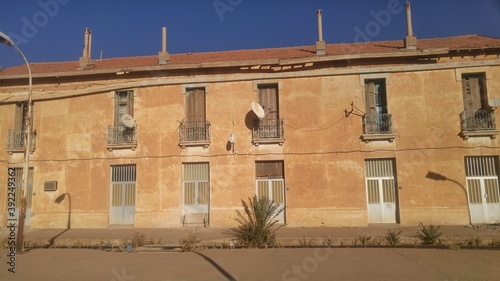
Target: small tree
(257, 223)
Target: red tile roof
(452, 43)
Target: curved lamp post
(27, 141)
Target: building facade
(373, 132)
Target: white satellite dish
(258, 110)
(494, 102)
(128, 120)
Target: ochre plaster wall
(323, 154)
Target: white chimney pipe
(320, 44)
(409, 28)
(86, 43)
(320, 25)
(85, 61)
(89, 54)
(164, 39)
(163, 56)
(410, 39)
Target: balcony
(268, 131)
(377, 127)
(477, 123)
(122, 137)
(15, 141)
(194, 134)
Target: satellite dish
(258, 110)
(128, 120)
(494, 102)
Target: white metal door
(483, 189)
(273, 189)
(196, 197)
(123, 184)
(381, 191)
(196, 193)
(484, 204)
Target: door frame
(282, 216)
(380, 180)
(485, 214)
(195, 213)
(123, 186)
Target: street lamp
(27, 141)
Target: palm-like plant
(257, 223)
(429, 235)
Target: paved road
(256, 264)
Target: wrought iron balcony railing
(194, 132)
(268, 129)
(377, 123)
(15, 139)
(122, 135)
(477, 120)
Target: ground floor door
(123, 182)
(381, 190)
(483, 189)
(195, 193)
(270, 183)
(275, 191)
(18, 176)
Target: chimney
(320, 44)
(410, 39)
(163, 56)
(85, 61)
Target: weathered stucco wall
(323, 154)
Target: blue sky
(52, 30)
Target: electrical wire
(259, 154)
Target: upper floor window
(124, 104)
(270, 128)
(477, 114)
(195, 130)
(123, 133)
(15, 137)
(377, 119)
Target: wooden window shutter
(268, 98)
(471, 93)
(483, 95)
(195, 106)
(117, 108)
(19, 122)
(269, 170)
(21, 113)
(370, 96)
(130, 101)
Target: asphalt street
(255, 264)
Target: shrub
(392, 237)
(138, 239)
(364, 239)
(495, 242)
(305, 243)
(429, 235)
(257, 223)
(475, 242)
(328, 241)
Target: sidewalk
(285, 235)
